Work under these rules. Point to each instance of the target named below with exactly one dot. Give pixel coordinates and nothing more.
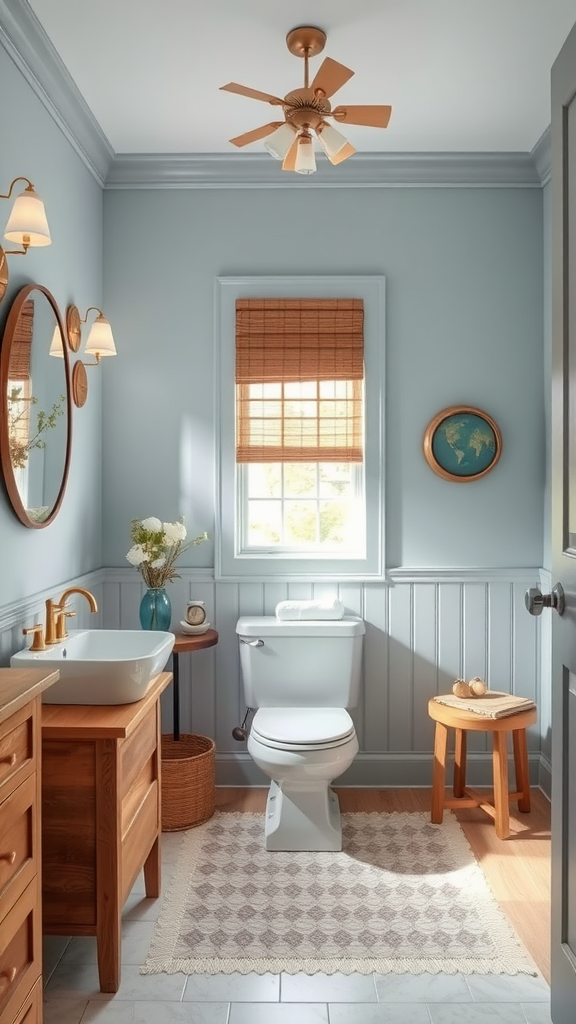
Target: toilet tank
(300, 663)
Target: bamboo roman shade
(21, 349)
(299, 380)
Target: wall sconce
(27, 225)
(100, 343)
(56, 346)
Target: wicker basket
(188, 781)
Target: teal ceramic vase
(155, 609)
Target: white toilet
(301, 676)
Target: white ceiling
(461, 75)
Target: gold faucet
(57, 612)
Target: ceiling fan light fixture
(280, 141)
(331, 140)
(306, 108)
(305, 158)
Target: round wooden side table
(186, 643)
(463, 721)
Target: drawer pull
(10, 857)
(7, 977)
(10, 759)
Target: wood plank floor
(517, 869)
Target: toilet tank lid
(269, 625)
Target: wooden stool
(463, 721)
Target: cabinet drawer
(17, 746)
(20, 952)
(31, 1012)
(19, 843)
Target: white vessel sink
(100, 666)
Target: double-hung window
(297, 434)
(300, 426)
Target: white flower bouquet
(156, 547)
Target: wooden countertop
(195, 642)
(99, 721)
(18, 686)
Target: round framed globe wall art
(462, 443)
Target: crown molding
(541, 156)
(365, 170)
(26, 42)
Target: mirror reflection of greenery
(21, 443)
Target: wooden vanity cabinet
(101, 808)
(20, 908)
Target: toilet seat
(302, 728)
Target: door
(564, 533)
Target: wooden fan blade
(290, 159)
(256, 133)
(370, 115)
(345, 152)
(252, 94)
(331, 76)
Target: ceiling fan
(305, 110)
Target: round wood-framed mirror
(35, 407)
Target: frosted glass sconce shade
(280, 141)
(331, 140)
(305, 159)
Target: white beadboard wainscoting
(424, 628)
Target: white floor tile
(76, 979)
(504, 988)
(327, 988)
(60, 1010)
(278, 1013)
(476, 1013)
(53, 947)
(238, 988)
(121, 1012)
(422, 988)
(139, 908)
(537, 1013)
(136, 938)
(378, 1013)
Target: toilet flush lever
(251, 643)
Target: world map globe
(464, 445)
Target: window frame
(229, 563)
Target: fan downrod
(306, 41)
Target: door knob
(535, 600)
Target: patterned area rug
(403, 896)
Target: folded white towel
(331, 608)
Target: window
(19, 397)
(300, 425)
(300, 438)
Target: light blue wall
(465, 286)
(464, 281)
(71, 268)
